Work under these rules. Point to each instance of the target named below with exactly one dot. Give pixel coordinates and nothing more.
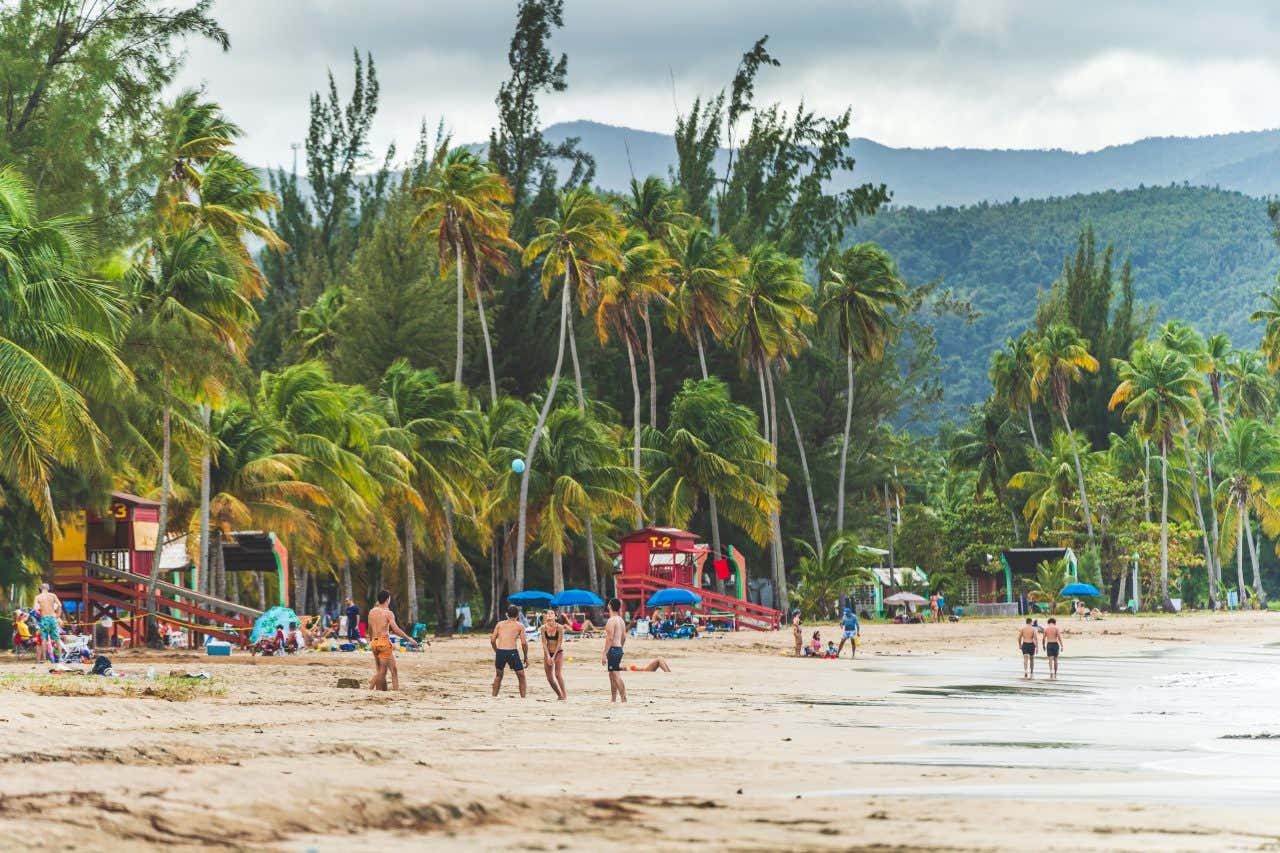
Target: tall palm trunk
(888, 523)
(300, 589)
(557, 571)
(779, 561)
(702, 355)
(808, 481)
(1164, 526)
(260, 587)
(488, 347)
(346, 578)
(653, 368)
(205, 464)
(715, 537)
(153, 632)
(449, 603)
(592, 575)
(1215, 567)
(522, 521)
(1253, 562)
(1195, 494)
(844, 443)
(457, 362)
(1146, 481)
(1031, 422)
(635, 432)
(1240, 553)
(1075, 454)
(410, 575)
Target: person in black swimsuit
(1052, 646)
(1027, 638)
(553, 653)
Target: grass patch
(163, 687)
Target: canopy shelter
(1024, 561)
(255, 551)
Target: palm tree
(988, 446)
(580, 474)
(770, 317)
(1059, 359)
(643, 277)
(860, 293)
(1052, 576)
(654, 209)
(575, 244)
(1270, 316)
(318, 328)
(1250, 464)
(711, 448)
(1011, 378)
(464, 202)
(1247, 388)
(707, 287)
(827, 575)
(1047, 482)
(196, 132)
(439, 431)
(58, 336)
(1159, 390)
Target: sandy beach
(1156, 737)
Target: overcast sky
(979, 73)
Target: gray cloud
(984, 73)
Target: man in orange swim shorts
(382, 622)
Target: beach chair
(641, 628)
(24, 645)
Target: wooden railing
(746, 614)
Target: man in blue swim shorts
(615, 635)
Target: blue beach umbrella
(1078, 588)
(674, 597)
(535, 597)
(577, 598)
(276, 617)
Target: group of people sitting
(281, 642)
(1080, 611)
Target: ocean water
(1196, 724)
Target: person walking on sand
(1027, 638)
(382, 624)
(1052, 646)
(615, 636)
(50, 609)
(933, 607)
(852, 628)
(506, 635)
(353, 621)
(553, 653)
(797, 634)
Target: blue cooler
(218, 649)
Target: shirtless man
(506, 635)
(553, 653)
(1027, 642)
(1052, 645)
(382, 623)
(615, 636)
(797, 634)
(50, 609)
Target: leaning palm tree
(1060, 359)
(1010, 375)
(1249, 462)
(654, 209)
(1159, 390)
(574, 245)
(645, 276)
(1247, 388)
(465, 203)
(1047, 481)
(59, 331)
(1270, 317)
(707, 286)
(772, 314)
(860, 296)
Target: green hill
(1198, 254)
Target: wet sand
(1161, 734)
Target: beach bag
(101, 665)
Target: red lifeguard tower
(655, 558)
(101, 564)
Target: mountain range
(1247, 162)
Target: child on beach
(832, 653)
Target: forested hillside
(1198, 254)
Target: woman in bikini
(553, 653)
